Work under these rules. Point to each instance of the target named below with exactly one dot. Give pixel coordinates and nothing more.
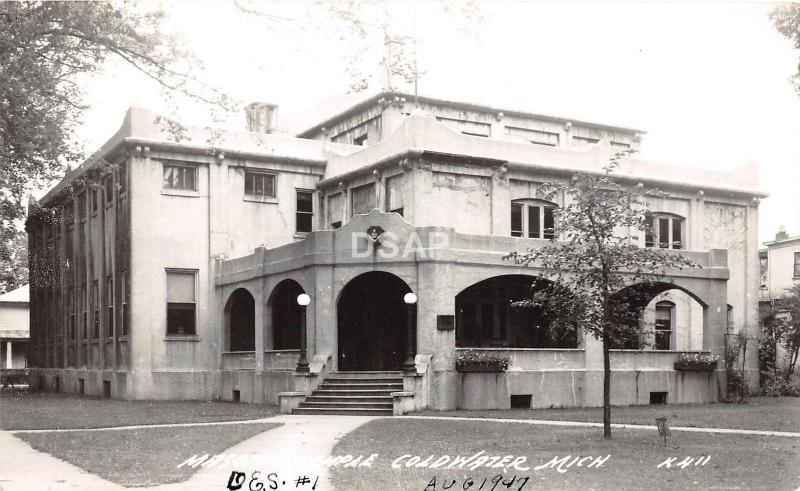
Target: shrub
(776, 386)
(480, 361)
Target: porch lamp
(409, 367)
(302, 364)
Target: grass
(737, 462)
(141, 457)
(758, 413)
(22, 410)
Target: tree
(786, 327)
(596, 275)
(14, 269)
(787, 20)
(46, 51)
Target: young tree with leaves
(785, 328)
(787, 21)
(595, 257)
(46, 48)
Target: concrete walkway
(295, 449)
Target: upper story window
(335, 208)
(363, 199)
(664, 231)
(584, 140)
(664, 315)
(361, 140)
(180, 176)
(797, 264)
(394, 194)
(108, 188)
(536, 137)
(181, 300)
(533, 219)
(305, 211)
(472, 128)
(259, 184)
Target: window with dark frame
(122, 178)
(72, 319)
(96, 302)
(259, 184)
(535, 220)
(394, 194)
(663, 325)
(797, 264)
(361, 140)
(126, 288)
(82, 206)
(108, 188)
(181, 302)
(664, 231)
(180, 177)
(85, 326)
(109, 306)
(305, 211)
(94, 200)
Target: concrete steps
(353, 393)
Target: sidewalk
(292, 450)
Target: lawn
(20, 409)
(141, 457)
(758, 413)
(736, 462)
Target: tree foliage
(787, 21)
(595, 275)
(782, 328)
(47, 49)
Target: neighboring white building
(14, 328)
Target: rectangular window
(181, 301)
(534, 222)
(394, 194)
(109, 306)
(620, 146)
(584, 140)
(335, 211)
(677, 242)
(182, 177)
(108, 187)
(471, 128)
(305, 211)
(69, 213)
(122, 178)
(259, 184)
(96, 305)
(533, 136)
(797, 264)
(363, 199)
(663, 327)
(549, 231)
(516, 220)
(94, 200)
(663, 233)
(361, 140)
(85, 328)
(126, 288)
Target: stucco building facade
(172, 270)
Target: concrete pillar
(501, 203)
(9, 357)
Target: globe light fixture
(409, 298)
(303, 299)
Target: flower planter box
(481, 369)
(695, 367)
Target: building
(172, 270)
(14, 329)
(780, 271)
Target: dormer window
(533, 218)
(664, 230)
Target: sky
(709, 82)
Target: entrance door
(372, 323)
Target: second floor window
(664, 231)
(259, 184)
(305, 211)
(797, 264)
(534, 219)
(183, 177)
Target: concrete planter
(480, 369)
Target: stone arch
(285, 314)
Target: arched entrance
(485, 317)
(240, 321)
(285, 315)
(372, 320)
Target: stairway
(353, 393)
